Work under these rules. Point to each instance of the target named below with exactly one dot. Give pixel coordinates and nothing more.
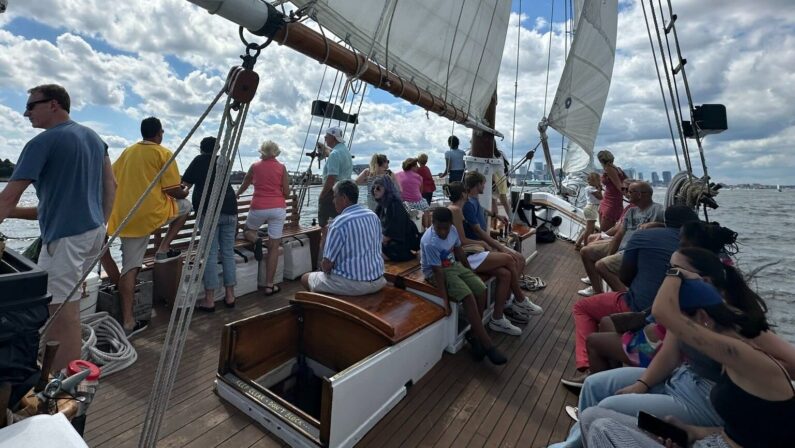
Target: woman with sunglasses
(752, 396)
(400, 235)
(379, 166)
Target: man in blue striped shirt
(352, 264)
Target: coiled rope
(101, 329)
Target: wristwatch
(675, 272)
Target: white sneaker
(529, 307)
(573, 412)
(504, 326)
(586, 280)
(587, 292)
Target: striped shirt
(354, 245)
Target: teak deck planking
(458, 403)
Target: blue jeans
(223, 250)
(684, 395)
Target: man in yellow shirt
(165, 204)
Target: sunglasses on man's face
(29, 106)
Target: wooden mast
(264, 19)
(483, 142)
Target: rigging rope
(674, 100)
(480, 61)
(515, 80)
(693, 122)
(549, 56)
(662, 91)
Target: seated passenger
(643, 268)
(445, 266)
(351, 263)
(679, 380)
(604, 261)
(753, 395)
(475, 227)
(411, 185)
(400, 235)
(627, 338)
(498, 264)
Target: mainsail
(451, 48)
(582, 92)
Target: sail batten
(434, 45)
(580, 99)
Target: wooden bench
(292, 228)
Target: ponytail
(744, 310)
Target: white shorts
(274, 217)
(67, 258)
(335, 284)
(133, 251)
(475, 260)
(591, 212)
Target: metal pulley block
(241, 84)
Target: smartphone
(661, 428)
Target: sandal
(273, 290)
(206, 309)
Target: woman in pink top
(411, 185)
(612, 201)
(268, 206)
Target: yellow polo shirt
(134, 170)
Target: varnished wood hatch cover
(393, 312)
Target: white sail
(577, 160)
(427, 41)
(580, 99)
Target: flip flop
(273, 290)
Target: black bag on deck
(544, 234)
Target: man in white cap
(338, 167)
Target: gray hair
(269, 149)
(347, 188)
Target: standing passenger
(338, 167)
(135, 169)
(611, 206)
(69, 167)
(223, 240)
(379, 166)
(428, 185)
(268, 206)
(454, 161)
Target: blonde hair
(594, 177)
(269, 149)
(604, 157)
(423, 159)
(375, 161)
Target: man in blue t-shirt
(453, 161)
(445, 265)
(643, 268)
(69, 167)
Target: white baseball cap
(335, 132)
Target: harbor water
(760, 217)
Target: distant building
(630, 172)
(539, 166)
(666, 177)
(655, 179)
(640, 176)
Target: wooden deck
(458, 403)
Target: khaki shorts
(133, 249)
(591, 212)
(67, 258)
(613, 262)
(460, 282)
(335, 284)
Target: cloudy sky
(167, 58)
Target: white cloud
(740, 56)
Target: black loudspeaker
(711, 119)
